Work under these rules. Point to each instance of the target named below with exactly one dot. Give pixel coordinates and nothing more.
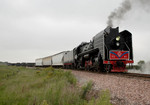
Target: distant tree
(141, 63)
(3, 63)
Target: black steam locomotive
(109, 50)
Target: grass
(29, 86)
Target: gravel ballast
(123, 90)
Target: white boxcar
(57, 59)
(47, 61)
(39, 62)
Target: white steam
(144, 70)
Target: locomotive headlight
(117, 38)
(117, 44)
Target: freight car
(68, 60)
(39, 62)
(109, 51)
(55, 60)
(47, 61)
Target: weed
(104, 99)
(86, 88)
(49, 69)
(71, 79)
(38, 72)
(44, 102)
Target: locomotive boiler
(109, 50)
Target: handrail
(107, 50)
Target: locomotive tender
(108, 51)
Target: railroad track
(128, 75)
(145, 77)
(137, 75)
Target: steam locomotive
(108, 51)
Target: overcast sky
(31, 29)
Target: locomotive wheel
(97, 69)
(88, 68)
(107, 68)
(78, 66)
(85, 68)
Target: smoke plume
(119, 13)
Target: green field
(36, 86)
